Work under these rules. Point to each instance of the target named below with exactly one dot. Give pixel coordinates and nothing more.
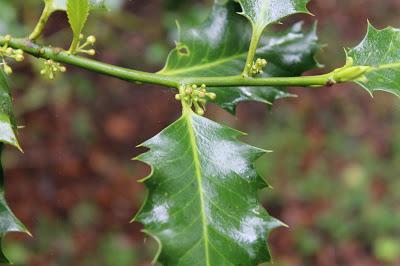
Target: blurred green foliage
(343, 188)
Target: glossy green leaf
(8, 222)
(219, 48)
(202, 205)
(78, 12)
(380, 50)
(261, 13)
(7, 119)
(62, 4)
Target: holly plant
(202, 206)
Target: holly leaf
(202, 205)
(261, 13)
(78, 12)
(7, 119)
(61, 5)
(8, 221)
(219, 48)
(379, 50)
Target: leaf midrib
(196, 162)
(263, 13)
(202, 66)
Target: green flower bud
(189, 91)
(91, 39)
(211, 95)
(19, 58)
(200, 112)
(8, 70)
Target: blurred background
(335, 167)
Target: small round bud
(91, 52)
(63, 69)
(19, 51)
(81, 36)
(177, 97)
(19, 58)
(43, 72)
(212, 95)
(91, 39)
(264, 62)
(202, 94)
(189, 91)
(194, 86)
(203, 86)
(8, 70)
(200, 111)
(9, 51)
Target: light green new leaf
(219, 48)
(78, 12)
(261, 13)
(8, 222)
(202, 205)
(380, 50)
(62, 4)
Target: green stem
(74, 45)
(47, 11)
(255, 39)
(62, 56)
(239, 80)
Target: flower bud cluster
(195, 96)
(51, 68)
(82, 48)
(257, 67)
(8, 52)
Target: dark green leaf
(379, 50)
(8, 222)
(261, 13)
(202, 205)
(219, 48)
(7, 119)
